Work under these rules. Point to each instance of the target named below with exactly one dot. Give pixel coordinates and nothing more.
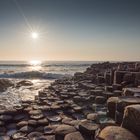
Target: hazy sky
(70, 29)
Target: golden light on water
(35, 64)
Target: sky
(89, 30)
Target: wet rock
(111, 104)
(56, 118)
(131, 119)
(26, 129)
(22, 123)
(18, 135)
(115, 133)
(34, 135)
(74, 136)
(100, 100)
(24, 83)
(49, 130)
(62, 130)
(4, 84)
(88, 128)
(36, 114)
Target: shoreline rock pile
(103, 103)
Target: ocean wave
(33, 75)
(46, 65)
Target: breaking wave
(33, 75)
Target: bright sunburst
(34, 35)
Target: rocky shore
(102, 103)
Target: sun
(34, 35)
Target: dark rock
(50, 137)
(66, 120)
(115, 133)
(131, 91)
(20, 117)
(18, 135)
(131, 119)
(32, 122)
(111, 104)
(100, 100)
(48, 130)
(43, 122)
(93, 117)
(11, 126)
(74, 136)
(26, 129)
(22, 123)
(54, 118)
(88, 128)
(39, 129)
(118, 77)
(6, 118)
(24, 83)
(34, 135)
(36, 114)
(4, 84)
(63, 130)
(125, 101)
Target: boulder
(125, 101)
(115, 133)
(63, 130)
(88, 128)
(74, 136)
(131, 119)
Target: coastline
(83, 106)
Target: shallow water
(41, 74)
(13, 96)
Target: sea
(40, 73)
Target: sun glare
(35, 62)
(34, 35)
